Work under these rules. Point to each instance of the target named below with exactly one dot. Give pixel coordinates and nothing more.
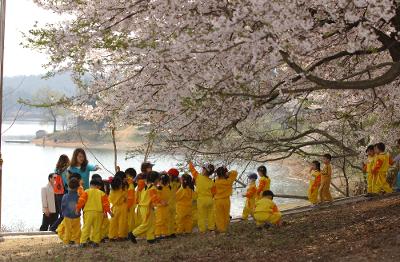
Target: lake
(26, 167)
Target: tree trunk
(115, 149)
(54, 120)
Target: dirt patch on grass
(364, 231)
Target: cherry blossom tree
(255, 80)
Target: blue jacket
(68, 204)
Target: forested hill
(27, 87)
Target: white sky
(21, 15)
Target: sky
(21, 15)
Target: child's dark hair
(164, 179)
(381, 146)
(97, 176)
(75, 175)
(62, 163)
(131, 172)
(222, 172)
(73, 184)
(153, 176)
(369, 148)
(116, 183)
(50, 176)
(328, 156)
(95, 182)
(187, 181)
(317, 165)
(262, 170)
(268, 193)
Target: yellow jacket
(165, 193)
(251, 194)
(369, 165)
(263, 185)
(223, 187)
(184, 197)
(382, 163)
(204, 184)
(174, 187)
(149, 196)
(118, 197)
(265, 206)
(93, 199)
(327, 171)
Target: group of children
(376, 168)
(320, 181)
(155, 205)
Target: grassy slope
(358, 232)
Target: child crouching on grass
(72, 219)
(266, 212)
(95, 205)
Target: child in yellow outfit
(173, 174)
(315, 182)
(72, 220)
(223, 191)
(184, 198)
(119, 207)
(368, 165)
(250, 197)
(96, 206)
(380, 169)
(266, 211)
(205, 202)
(162, 212)
(326, 177)
(131, 175)
(149, 199)
(264, 183)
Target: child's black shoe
(172, 236)
(132, 237)
(153, 241)
(83, 245)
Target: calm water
(27, 166)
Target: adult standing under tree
(80, 165)
(48, 204)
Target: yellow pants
(148, 224)
(313, 195)
(369, 183)
(184, 223)
(119, 222)
(131, 218)
(72, 230)
(380, 184)
(205, 214)
(263, 217)
(222, 210)
(194, 214)
(248, 209)
(61, 230)
(105, 227)
(92, 221)
(171, 220)
(324, 189)
(162, 221)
